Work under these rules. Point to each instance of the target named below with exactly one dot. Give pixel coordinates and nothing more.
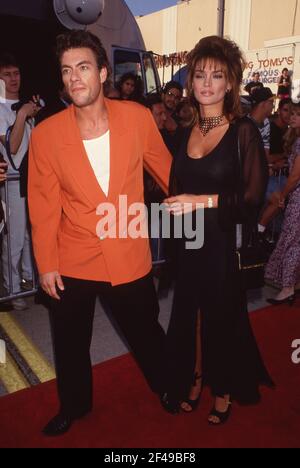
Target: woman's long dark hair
(219, 51)
(293, 133)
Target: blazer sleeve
(157, 158)
(44, 202)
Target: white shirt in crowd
(7, 118)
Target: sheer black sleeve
(243, 204)
(182, 137)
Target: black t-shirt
(253, 84)
(276, 138)
(284, 89)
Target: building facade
(268, 31)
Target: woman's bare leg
(197, 385)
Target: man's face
(12, 79)
(171, 98)
(268, 107)
(159, 114)
(256, 77)
(81, 76)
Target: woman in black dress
(209, 339)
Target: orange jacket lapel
(120, 143)
(78, 163)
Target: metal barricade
(7, 292)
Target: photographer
(21, 123)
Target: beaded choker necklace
(208, 123)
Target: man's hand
(49, 281)
(31, 108)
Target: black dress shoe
(58, 425)
(169, 404)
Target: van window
(150, 75)
(139, 63)
(126, 61)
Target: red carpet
(128, 415)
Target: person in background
(262, 106)
(209, 339)
(171, 96)
(56, 104)
(254, 84)
(283, 268)
(278, 128)
(277, 159)
(153, 194)
(131, 88)
(184, 111)
(158, 109)
(284, 85)
(171, 139)
(21, 123)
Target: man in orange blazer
(82, 160)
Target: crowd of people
(197, 150)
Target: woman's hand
(277, 199)
(281, 202)
(186, 203)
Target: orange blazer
(64, 194)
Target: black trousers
(134, 307)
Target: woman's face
(210, 83)
(295, 118)
(127, 87)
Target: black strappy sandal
(192, 403)
(222, 416)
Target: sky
(143, 7)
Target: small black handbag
(252, 259)
(251, 256)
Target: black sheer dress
(208, 280)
